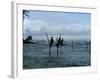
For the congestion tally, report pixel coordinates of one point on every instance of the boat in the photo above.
(29, 40)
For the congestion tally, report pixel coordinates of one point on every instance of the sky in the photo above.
(54, 23)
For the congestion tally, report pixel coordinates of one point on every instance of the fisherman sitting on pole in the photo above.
(51, 42)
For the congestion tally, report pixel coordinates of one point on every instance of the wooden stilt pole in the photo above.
(49, 45)
(57, 51)
(49, 51)
(72, 45)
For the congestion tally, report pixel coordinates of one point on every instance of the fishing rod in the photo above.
(47, 37)
(60, 35)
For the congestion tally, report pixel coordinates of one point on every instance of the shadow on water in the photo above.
(43, 62)
(50, 62)
(36, 55)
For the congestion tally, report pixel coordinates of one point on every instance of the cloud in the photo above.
(78, 27)
(39, 27)
(33, 25)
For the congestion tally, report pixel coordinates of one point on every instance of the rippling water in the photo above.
(73, 54)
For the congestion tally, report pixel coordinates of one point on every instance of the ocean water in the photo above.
(74, 53)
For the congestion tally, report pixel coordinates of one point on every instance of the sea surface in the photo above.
(74, 53)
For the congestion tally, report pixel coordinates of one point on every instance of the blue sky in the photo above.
(66, 23)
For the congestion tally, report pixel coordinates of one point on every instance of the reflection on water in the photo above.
(37, 55)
